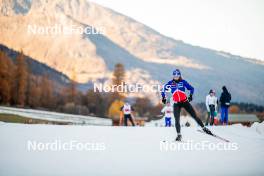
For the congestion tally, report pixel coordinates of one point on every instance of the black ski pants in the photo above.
(128, 117)
(188, 107)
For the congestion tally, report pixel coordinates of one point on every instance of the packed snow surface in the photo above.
(129, 150)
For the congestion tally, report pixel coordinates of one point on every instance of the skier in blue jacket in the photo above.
(177, 87)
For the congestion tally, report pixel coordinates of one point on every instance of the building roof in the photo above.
(243, 118)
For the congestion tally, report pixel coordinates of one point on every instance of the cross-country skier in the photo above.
(168, 110)
(127, 111)
(177, 87)
(211, 106)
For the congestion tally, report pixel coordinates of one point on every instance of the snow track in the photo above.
(128, 151)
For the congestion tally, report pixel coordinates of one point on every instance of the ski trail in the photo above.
(128, 151)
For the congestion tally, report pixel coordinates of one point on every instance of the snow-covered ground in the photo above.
(161, 122)
(55, 116)
(128, 151)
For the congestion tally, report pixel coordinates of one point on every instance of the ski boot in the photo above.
(206, 130)
(179, 137)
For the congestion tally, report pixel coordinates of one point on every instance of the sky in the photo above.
(235, 26)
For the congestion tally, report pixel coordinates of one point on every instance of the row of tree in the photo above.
(143, 106)
(235, 108)
(20, 87)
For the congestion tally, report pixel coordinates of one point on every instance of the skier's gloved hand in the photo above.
(164, 100)
(207, 131)
(190, 98)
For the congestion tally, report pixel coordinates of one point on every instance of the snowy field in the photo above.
(55, 116)
(127, 151)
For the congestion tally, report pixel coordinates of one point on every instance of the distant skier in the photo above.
(225, 99)
(168, 110)
(177, 87)
(211, 106)
(127, 111)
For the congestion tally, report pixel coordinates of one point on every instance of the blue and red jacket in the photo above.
(177, 88)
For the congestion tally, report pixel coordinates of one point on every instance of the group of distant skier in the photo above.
(212, 105)
(179, 100)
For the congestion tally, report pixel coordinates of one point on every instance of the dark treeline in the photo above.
(249, 107)
(20, 87)
(235, 108)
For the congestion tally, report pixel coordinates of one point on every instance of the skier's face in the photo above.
(176, 77)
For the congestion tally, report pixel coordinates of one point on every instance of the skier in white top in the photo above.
(211, 106)
(168, 110)
(127, 111)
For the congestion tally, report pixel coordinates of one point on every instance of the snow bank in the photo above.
(55, 116)
(131, 151)
(259, 127)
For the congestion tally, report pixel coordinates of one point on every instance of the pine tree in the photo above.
(6, 76)
(118, 79)
(119, 74)
(34, 92)
(21, 80)
(72, 91)
(47, 88)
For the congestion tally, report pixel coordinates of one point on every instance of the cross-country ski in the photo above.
(214, 135)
